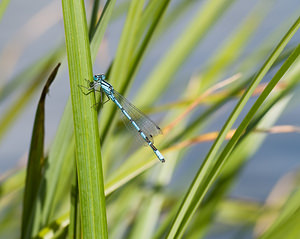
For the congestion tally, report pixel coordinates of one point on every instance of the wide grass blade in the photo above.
(87, 141)
(61, 157)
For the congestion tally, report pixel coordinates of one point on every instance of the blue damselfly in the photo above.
(133, 118)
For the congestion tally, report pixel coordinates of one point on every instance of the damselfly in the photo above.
(133, 118)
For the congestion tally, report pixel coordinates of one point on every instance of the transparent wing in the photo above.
(138, 138)
(144, 122)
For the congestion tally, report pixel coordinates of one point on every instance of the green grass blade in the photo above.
(61, 153)
(88, 155)
(36, 163)
(210, 168)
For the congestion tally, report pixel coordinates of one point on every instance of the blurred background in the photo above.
(32, 30)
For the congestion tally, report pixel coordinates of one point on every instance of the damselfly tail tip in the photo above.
(160, 157)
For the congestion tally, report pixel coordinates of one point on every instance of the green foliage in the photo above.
(91, 182)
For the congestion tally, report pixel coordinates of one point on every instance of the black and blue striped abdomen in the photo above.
(143, 132)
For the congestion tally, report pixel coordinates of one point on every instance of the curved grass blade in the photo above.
(36, 164)
(211, 167)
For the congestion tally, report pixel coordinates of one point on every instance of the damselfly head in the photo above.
(99, 77)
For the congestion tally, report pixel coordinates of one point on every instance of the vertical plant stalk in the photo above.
(87, 149)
